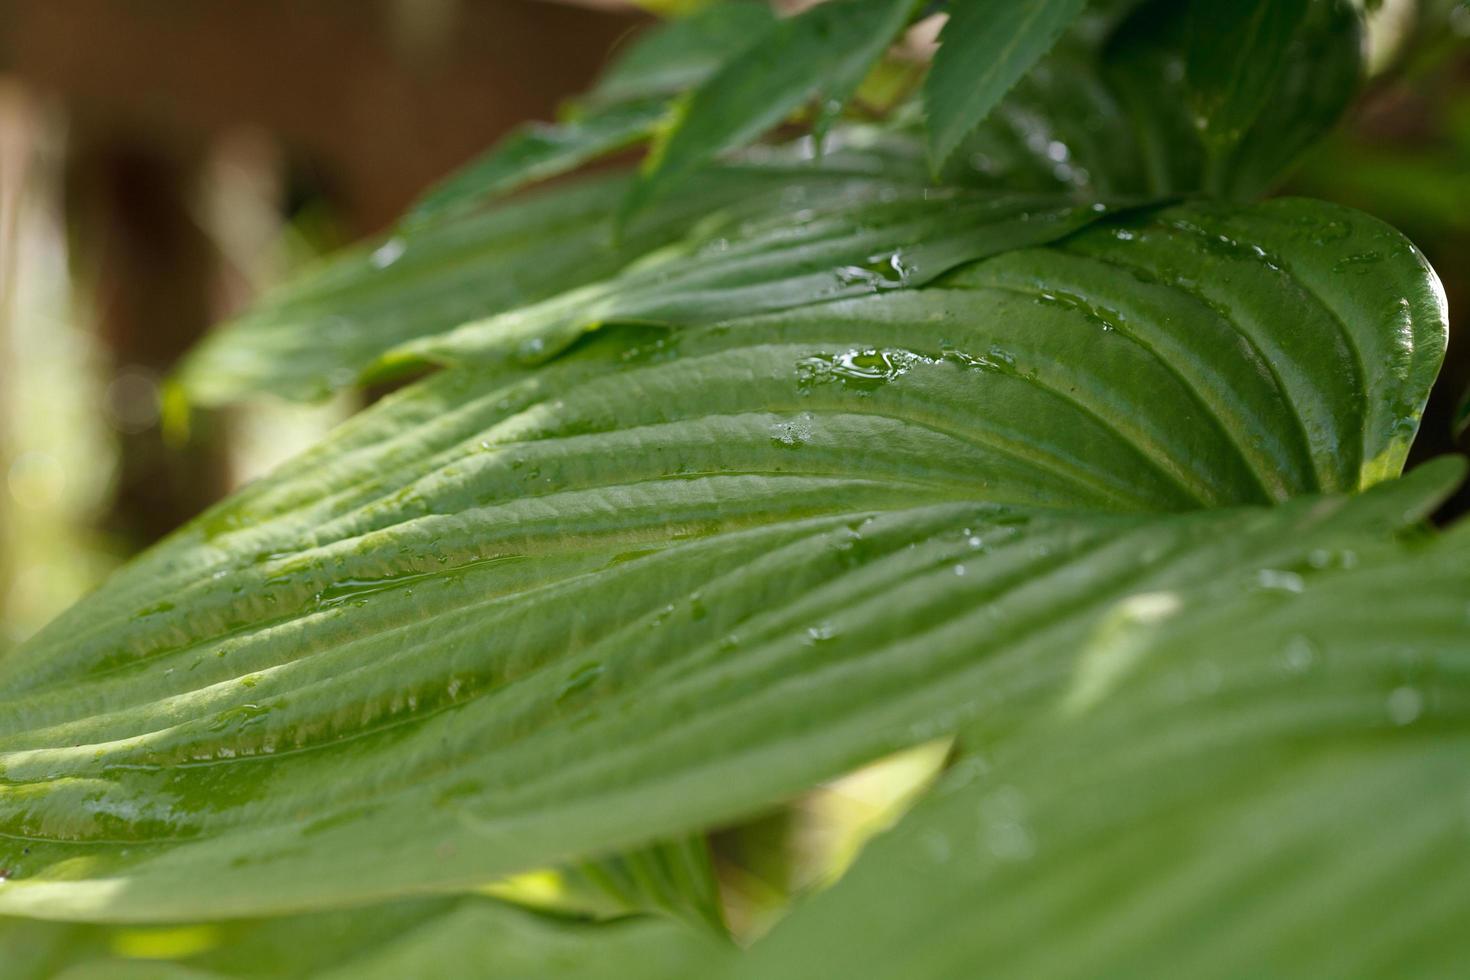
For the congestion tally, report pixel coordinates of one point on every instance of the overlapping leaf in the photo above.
(986, 46)
(511, 618)
(1108, 111)
(425, 938)
(1236, 782)
(625, 107)
(820, 54)
(753, 237)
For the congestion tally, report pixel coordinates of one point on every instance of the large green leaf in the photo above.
(767, 234)
(870, 237)
(984, 48)
(1104, 113)
(1234, 782)
(511, 618)
(820, 54)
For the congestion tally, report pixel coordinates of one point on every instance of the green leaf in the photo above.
(767, 234)
(1102, 115)
(509, 619)
(984, 48)
(868, 237)
(537, 151)
(820, 54)
(682, 52)
(429, 938)
(1257, 782)
(323, 331)
(1236, 52)
(625, 107)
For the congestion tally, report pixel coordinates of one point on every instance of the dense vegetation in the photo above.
(985, 404)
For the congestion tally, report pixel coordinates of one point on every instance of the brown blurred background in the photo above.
(162, 161)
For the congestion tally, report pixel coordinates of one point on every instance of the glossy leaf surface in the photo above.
(1106, 112)
(1234, 782)
(985, 47)
(820, 54)
(511, 618)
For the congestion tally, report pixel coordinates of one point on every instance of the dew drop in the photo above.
(1300, 655)
(1405, 705)
(388, 253)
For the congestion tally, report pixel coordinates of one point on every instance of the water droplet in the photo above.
(531, 349)
(1276, 580)
(1300, 655)
(388, 253)
(936, 845)
(1405, 705)
(1361, 263)
(820, 633)
(1003, 831)
(886, 270)
(860, 368)
(794, 432)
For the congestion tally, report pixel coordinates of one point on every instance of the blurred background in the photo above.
(163, 161)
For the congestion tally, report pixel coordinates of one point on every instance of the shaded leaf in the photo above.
(818, 55)
(682, 52)
(1236, 53)
(984, 48)
(537, 151)
(1102, 113)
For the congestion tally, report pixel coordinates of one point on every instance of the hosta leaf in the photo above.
(1235, 54)
(1102, 114)
(819, 54)
(431, 939)
(683, 52)
(984, 48)
(1266, 783)
(625, 107)
(509, 619)
(733, 244)
(867, 238)
(324, 330)
(536, 151)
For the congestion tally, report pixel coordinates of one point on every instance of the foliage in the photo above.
(768, 461)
